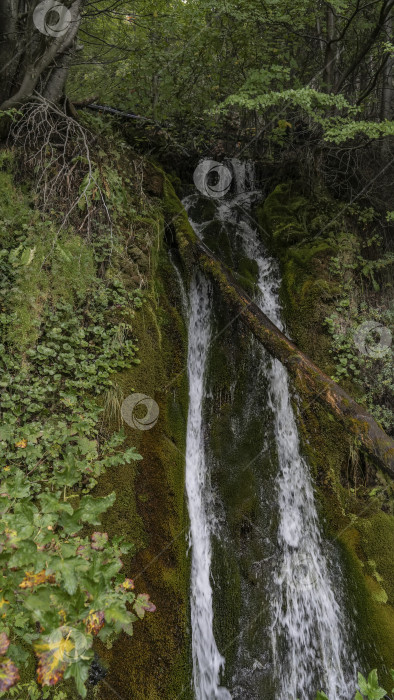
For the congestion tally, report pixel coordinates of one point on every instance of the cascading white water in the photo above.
(207, 661)
(308, 632)
(309, 645)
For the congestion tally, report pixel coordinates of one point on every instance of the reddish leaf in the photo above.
(83, 551)
(9, 675)
(99, 540)
(4, 643)
(11, 537)
(142, 605)
(94, 622)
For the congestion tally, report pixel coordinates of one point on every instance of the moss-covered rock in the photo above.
(150, 505)
(342, 474)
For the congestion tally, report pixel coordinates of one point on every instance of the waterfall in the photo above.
(308, 632)
(207, 662)
(305, 638)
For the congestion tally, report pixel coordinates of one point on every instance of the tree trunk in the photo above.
(10, 53)
(387, 6)
(39, 61)
(386, 111)
(331, 51)
(309, 378)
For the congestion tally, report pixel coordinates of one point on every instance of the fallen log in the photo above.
(357, 421)
(88, 104)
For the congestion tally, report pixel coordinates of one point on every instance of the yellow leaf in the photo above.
(94, 622)
(54, 653)
(3, 602)
(31, 579)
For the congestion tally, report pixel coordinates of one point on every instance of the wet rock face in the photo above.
(96, 672)
(153, 182)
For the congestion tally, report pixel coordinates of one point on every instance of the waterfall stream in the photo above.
(303, 645)
(307, 620)
(207, 661)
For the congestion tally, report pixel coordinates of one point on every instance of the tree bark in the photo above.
(387, 7)
(10, 52)
(37, 60)
(309, 378)
(386, 111)
(331, 51)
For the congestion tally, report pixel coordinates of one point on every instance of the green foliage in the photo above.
(314, 103)
(369, 689)
(341, 130)
(200, 66)
(64, 331)
(356, 270)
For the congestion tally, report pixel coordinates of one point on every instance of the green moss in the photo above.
(308, 297)
(375, 620)
(176, 218)
(306, 290)
(150, 507)
(377, 538)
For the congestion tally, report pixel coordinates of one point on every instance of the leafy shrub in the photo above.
(64, 331)
(362, 288)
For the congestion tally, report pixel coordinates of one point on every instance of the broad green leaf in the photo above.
(362, 683)
(80, 672)
(91, 508)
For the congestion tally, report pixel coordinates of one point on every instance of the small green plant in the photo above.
(363, 287)
(368, 689)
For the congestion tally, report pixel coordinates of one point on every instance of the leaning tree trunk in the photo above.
(34, 52)
(357, 421)
(373, 440)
